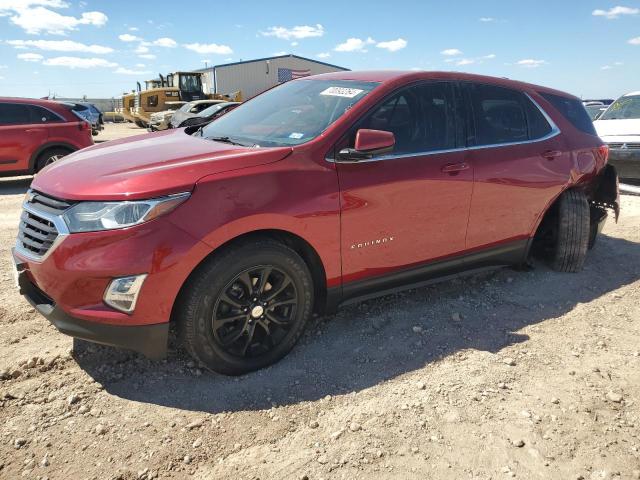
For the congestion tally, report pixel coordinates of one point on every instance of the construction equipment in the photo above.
(124, 105)
(178, 86)
(182, 87)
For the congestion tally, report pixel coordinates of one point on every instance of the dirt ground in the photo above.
(533, 375)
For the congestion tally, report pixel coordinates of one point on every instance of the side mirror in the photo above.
(369, 143)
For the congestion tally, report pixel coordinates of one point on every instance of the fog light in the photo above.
(122, 293)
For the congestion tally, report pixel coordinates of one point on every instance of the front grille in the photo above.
(37, 231)
(624, 146)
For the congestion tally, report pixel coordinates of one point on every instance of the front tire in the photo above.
(572, 232)
(246, 308)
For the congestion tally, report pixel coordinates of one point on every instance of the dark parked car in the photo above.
(209, 114)
(35, 133)
(316, 193)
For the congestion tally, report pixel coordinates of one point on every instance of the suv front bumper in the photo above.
(150, 340)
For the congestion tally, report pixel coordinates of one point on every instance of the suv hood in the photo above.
(146, 166)
(609, 128)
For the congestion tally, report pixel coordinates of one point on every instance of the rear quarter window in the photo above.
(43, 115)
(573, 110)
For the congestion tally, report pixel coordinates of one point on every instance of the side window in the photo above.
(538, 125)
(14, 114)
(42, 115)
(421, 118)
(573, 110)
(400, 115)
(439, 125)
(499, 115)
(152, 101)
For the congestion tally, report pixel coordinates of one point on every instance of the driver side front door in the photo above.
(403, 210)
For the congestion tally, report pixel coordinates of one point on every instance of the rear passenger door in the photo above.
(411, 206)
(520, 164)
(20, 136)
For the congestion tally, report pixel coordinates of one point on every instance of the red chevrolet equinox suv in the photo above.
(321, 191)
(35, 133)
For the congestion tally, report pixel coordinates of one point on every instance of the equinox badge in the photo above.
(372, 243)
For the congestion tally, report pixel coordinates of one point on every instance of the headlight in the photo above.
(94, 216)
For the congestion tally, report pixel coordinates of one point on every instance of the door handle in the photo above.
(551, 154)
(455, 167)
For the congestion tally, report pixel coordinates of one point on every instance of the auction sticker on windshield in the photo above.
(341, 92)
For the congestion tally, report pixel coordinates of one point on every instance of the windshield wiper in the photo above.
(228, 140)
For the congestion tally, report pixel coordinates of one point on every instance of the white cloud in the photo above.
(147, 56)
(354, 45)
(127, 37)
(465, 61)
(323, 55)
(141, 49)
(615, 12)
(8, 6)
(491, 56)
(294, 44)
(133, 29)
(606, 67)
(128, 71)
(487, 19)
(164, 42)
(60, 46)
(298, 32)
(530, 63)
(634, 41)
(38, 19)
(30, 57)
(206, 48)
(77, 62)
(450, 52)
(279, 54)
(393, 45)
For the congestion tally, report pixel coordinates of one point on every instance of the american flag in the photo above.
(286, 74)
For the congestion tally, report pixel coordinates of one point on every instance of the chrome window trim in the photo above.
(555, 131)
(57, 221)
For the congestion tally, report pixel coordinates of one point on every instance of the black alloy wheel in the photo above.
(254, 312)
(246, 306)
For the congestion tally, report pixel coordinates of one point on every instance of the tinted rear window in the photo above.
(573, 110)
(502, 115)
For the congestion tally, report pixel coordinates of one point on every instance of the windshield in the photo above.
(624, 108)
(190, 83)
(293, 113)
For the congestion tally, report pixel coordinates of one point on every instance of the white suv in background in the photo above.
(619, 128)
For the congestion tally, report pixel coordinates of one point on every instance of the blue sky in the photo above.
(100, 48)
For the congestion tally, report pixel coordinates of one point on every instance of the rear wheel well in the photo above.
(295, 242)
(549, 236)
(47, 149)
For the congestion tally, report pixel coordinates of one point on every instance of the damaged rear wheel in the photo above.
(571, 232)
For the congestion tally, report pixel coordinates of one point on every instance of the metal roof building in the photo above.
(252, 77)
